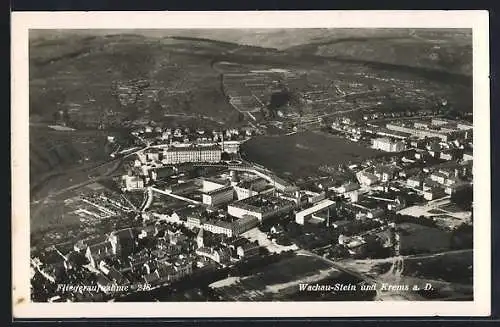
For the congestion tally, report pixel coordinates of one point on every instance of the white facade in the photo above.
(387, 145)
(219, 227)
(301, 215)
(366, 178)
(413, 182)
(175, 155)
(218, 196)
(133, 182)
(243, 193)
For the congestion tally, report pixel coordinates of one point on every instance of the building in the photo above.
(302, 216)
(414, 181)
(250, 187)
(261, 207)
(221, 255)
(219, 227)
(456, 187)
(374, 212)
(439, 177)
(348, 187)
(210, 184)
(131, 182)
(366, 178)
(385, 173)
(192, 153)
(195, 220)
(244, 224)
(385, 144)
(97, 252)
(218, 196)
(434, 193)
(248, 250)
(467, 156)
(419, 132)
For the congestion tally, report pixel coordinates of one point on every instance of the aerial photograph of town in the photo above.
(194, 165)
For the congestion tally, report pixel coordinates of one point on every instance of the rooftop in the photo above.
(261, 203)
(220, 190)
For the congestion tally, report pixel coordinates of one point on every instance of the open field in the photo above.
(301, 154)
(422, 238)
(278, 281)
(450, 273)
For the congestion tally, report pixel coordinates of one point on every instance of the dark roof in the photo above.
(152, 277)
(115, 274)
(249, 246)
(103, 280)
(220, 190)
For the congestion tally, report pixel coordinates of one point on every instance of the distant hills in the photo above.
(447, 50)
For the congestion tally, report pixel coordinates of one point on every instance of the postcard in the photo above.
(250, 164)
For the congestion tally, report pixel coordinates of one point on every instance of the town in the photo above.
(190, 207)
(195, 165)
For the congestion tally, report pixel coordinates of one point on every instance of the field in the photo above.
(455, 267)
(276, 281)
(418, 238)
(301, 154)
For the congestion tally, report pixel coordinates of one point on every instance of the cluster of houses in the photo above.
(153, 255)
(153, 134)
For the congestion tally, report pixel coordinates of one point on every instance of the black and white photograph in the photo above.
(256, 164)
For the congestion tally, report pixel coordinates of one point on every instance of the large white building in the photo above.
(219, 227)
(387, 145)
(218, 196)
(192, 153)
(301, 216)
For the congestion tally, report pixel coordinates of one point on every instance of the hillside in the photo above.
(110, 79)
(442, 50)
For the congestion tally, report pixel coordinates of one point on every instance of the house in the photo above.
(434, 193)
(100, 251)
(248, 250)
(220, 255)
(348, 187)
(439, 177)
(366, 178)
(467, 156)
(405, 173)
(456, 187)
(137, 260)
(374, 212)
(385, 173)
(219, 227)
(450, 154)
